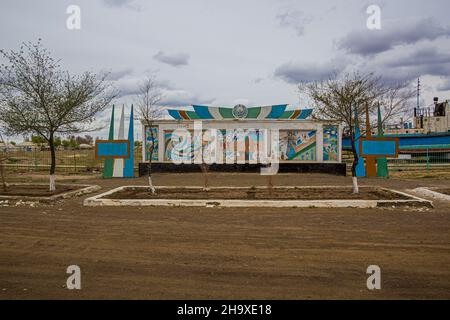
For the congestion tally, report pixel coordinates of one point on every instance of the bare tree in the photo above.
(205, 169)
(37, 97)
(337, 99)
(148, 110)
(395, 102)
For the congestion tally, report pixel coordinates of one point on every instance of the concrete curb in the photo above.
(412, 201)
(428, 191)
(86, 188)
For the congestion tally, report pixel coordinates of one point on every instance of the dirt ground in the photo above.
(229, 253)
(34, 190)
(444, 191)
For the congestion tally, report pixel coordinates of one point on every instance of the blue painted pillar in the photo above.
(360, 169)
(128, 170)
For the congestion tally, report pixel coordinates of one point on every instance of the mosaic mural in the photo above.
(295, 145)
(187, 148)
(299, 145)
(330, 143)
(151, 135)
(227, 150)
(232, 153)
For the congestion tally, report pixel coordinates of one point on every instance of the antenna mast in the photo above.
(418, 93)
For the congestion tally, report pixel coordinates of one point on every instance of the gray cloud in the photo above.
(117, 75)
(369, 42)
(171, 96)
(295, 19)
(174, 59)
(295, 72)
(427, 56)
(411, 64)
(180, 98)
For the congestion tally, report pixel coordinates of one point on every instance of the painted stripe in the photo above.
(309, 146)
(286, 115)
(192, 115)
(202, 112)
(277, 111)
(305, 113)
(183, 114)
(264, 112)
(174, 114)
(258, 113)
(215, 113)
(253, 113)
(118, 163)
(121, 134)
(128, 170)
(295, 114)
(108, 165)
(226, 113)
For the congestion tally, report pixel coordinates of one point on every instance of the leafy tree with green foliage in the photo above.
(37, 97)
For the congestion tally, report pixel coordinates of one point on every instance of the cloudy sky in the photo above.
(238, 51)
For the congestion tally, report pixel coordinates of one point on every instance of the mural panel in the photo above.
(178, 148)
(151, 139)
(225, 142)
(298, 145)
(330, 143)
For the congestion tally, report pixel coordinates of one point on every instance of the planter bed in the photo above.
(435, 192)
(308, 196)
(41, 193)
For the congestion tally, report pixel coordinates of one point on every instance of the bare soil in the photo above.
(31, 190)
(443, 190)
(226, 253)
(279, 193)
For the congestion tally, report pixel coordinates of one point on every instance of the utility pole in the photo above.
(418, 93)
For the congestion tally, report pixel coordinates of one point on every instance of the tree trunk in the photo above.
(149, 173)
(204, 168)
(149, 164)
(3, 159)
(354, 164)
(2, 174)
(270, 184)
(51, 143)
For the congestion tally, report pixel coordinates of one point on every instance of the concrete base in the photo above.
(84, 189)
(331, 168)
(429, 192)
(411, 201)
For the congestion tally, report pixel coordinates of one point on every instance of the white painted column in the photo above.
(161, 144)
(119, 163)
(340, 142)
(319, 142)
(144, 140)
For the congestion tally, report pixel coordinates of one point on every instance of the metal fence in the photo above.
(425, 160)
(71, 161)
(67, 161)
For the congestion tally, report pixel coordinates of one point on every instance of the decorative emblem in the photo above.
(239, 111)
